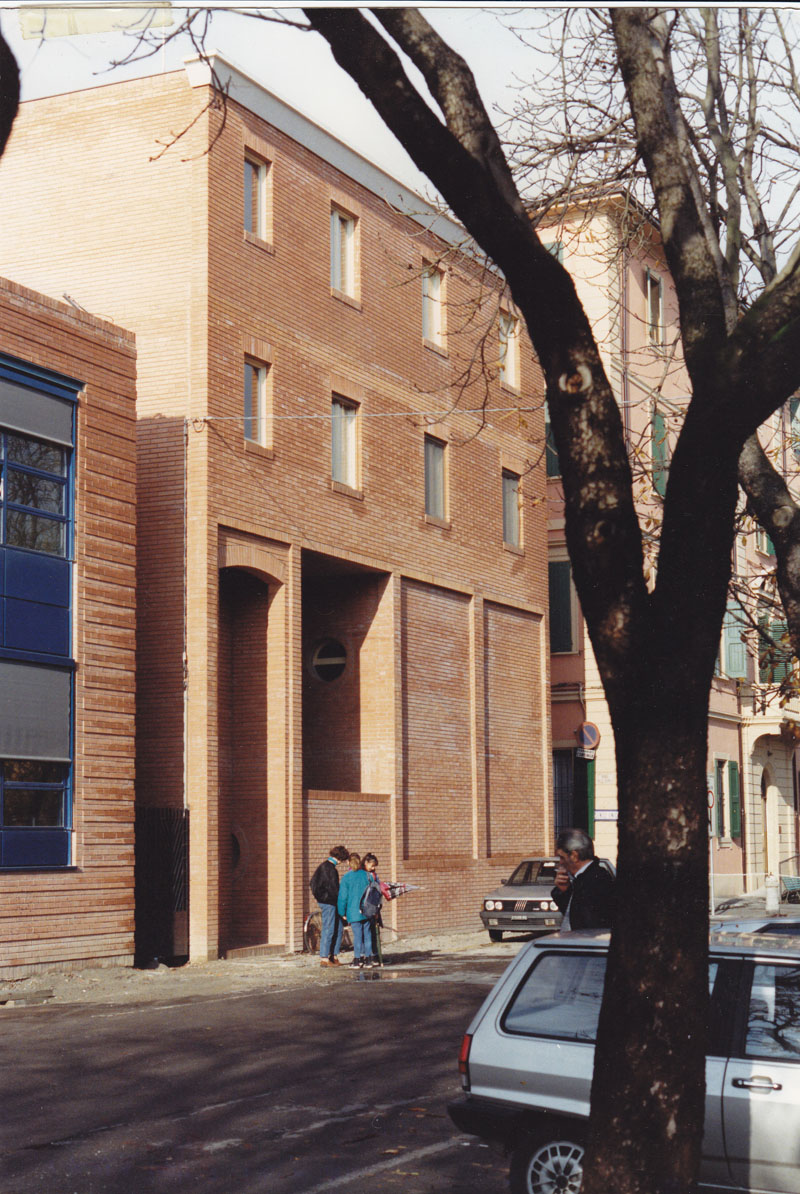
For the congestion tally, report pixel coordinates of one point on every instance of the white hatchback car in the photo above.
(527, 1058)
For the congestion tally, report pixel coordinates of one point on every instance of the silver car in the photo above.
(527, 1057)
(523, 902)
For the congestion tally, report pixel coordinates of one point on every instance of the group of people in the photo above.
(342, 901)
(584, 893)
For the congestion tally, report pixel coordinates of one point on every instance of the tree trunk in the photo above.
(649, 1076)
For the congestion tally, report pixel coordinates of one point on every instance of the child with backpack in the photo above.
(371, 902)
(351, 889)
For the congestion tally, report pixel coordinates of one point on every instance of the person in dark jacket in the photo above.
(325, 890)
(584, 890)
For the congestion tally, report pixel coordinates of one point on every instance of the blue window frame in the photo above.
(37, 438)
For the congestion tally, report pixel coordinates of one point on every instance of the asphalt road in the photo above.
(340, 1084)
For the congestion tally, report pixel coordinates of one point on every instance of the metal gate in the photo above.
(161, 883)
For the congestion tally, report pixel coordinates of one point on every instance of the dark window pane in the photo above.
(27, 490)
(33, 771)
(31, 807)
(37, 454)
(36, 533)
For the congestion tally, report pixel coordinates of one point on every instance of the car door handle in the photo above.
(755, 1083)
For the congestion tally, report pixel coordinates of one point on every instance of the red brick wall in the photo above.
(172, 261)
(85, 916)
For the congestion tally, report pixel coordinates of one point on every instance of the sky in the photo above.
(296, 66)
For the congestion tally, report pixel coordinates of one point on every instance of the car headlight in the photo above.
(544, 905)
(553, 906)
(489, 905)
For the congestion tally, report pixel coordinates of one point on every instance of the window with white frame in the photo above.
(509, 350)
(343, 252)
(257, 208)
(255, 402)
(654, 291)
(432, 314)
(344, 441)
(435, 478)
(511, 509)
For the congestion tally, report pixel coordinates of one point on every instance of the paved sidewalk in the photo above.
(121, 984)
(125, 985)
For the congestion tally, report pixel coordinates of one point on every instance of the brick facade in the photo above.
(84, 914)
(432, 747)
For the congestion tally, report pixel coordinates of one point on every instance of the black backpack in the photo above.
(371, 900)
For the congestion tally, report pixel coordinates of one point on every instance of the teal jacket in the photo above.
(351, 889)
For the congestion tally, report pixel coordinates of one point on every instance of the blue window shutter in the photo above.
(734, 796)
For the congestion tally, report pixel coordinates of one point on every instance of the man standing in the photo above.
(325, 890)
(584, 890)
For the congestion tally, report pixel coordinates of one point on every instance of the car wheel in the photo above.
(550, 1163)
(495, 934)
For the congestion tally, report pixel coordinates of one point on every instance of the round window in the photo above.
(328, 660)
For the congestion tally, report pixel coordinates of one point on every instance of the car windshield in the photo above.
(534, 870)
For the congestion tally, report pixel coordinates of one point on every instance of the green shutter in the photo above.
(660, 452)
(735, 799)
(719, 796)
(559, 577)
(734, 651)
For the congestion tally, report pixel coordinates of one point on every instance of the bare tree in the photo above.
(655, 650)
(573, 140)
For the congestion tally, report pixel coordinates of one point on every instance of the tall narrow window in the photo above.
(255, 402)
(551, 455)
(256, 197)
(562, 628)
(344, 442)
(343, 253)
(509, 350)
(655, 308)
(556, 249)
(435, 498)
(511, 519)
(432, 322)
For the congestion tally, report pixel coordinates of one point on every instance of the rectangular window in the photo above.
(551, 455)
(256, 197)
(511, 513)
(255, 402)
(34, 494)
(344, 442)
(562, 623)
(773, 1021)
(435, 494)
(509, 350)
(733, 656)
(556, 249)
(432, 321)
(343, 253)
(655, 308)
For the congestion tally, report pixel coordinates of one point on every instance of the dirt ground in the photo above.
(121, 984)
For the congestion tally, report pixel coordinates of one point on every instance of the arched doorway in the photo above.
(243, 695)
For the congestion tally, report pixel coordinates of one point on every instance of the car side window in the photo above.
(773, 1019)
(560, 997)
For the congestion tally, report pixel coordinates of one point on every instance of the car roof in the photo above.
(722, 940)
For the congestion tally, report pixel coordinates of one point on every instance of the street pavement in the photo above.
(339, 1082)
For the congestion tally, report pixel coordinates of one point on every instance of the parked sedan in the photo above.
(523, 902)
(527, 1057)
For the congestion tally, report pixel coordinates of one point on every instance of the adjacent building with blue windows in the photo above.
(67, 624)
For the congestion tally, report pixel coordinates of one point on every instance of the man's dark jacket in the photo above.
(325, 883)
(592, 898)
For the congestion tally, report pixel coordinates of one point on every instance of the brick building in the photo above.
(621, 274)
(67, 621)
(342, 584)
